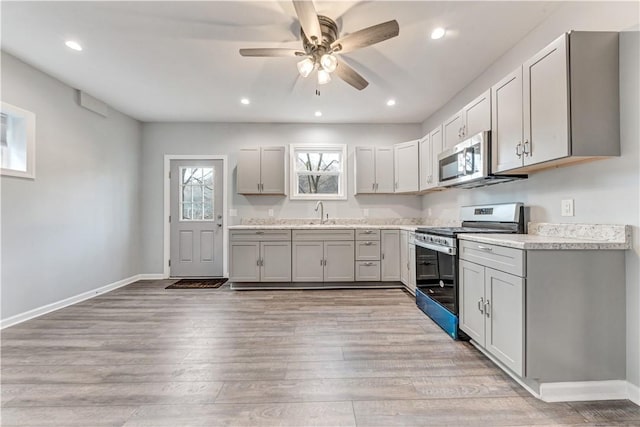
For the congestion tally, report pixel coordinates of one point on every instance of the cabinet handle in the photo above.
(525, 148)
(258, 184)
(464, 130)
(261, 187)
(321, 262)
(487, 308)
(518, 151)
(376, 186)
(481, 305)
(368, 264)
(259, 232)
(368, 243)
(485, 248)
(258, 262)
(383, 255)
(396, 185)
(373, 186)
(368, 232)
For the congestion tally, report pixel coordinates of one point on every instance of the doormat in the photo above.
(197, 284)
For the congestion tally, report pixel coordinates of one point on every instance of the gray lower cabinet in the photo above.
(390, 255)
(404, 257)
(260, 255)
(492, 312)
(317, 261)
(260, 262)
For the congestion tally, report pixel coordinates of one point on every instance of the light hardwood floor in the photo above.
(146, 356)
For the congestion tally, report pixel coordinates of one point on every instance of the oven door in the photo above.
(436, 275)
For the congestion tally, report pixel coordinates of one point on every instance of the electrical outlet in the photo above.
(566, 208)
(270, 212)
(233, 212)
(429, 212)
(365, 212)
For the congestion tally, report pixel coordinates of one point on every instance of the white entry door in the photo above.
(196, 218)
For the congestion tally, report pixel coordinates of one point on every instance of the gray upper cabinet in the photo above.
(475, 117)
(569, 109)
(407, 169)
(374, 170)
(430, 147)
(261, 170)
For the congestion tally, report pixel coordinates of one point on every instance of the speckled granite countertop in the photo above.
(325, 227)
(544, 236)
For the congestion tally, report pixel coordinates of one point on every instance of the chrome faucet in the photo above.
(321, 206)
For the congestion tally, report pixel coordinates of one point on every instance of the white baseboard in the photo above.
(633, 391)
(584, 390)
(36, 312)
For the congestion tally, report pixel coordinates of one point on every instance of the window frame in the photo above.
(342, 173)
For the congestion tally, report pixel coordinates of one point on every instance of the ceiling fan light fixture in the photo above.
(323, 77)
(305, 67)
(329, 62)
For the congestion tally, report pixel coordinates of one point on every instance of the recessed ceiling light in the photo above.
(73, 45)
(391, 102)
(245, 101)
(438, 33)
(318, 113)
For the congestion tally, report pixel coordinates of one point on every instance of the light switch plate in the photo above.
(270, 212)
(365, 212)
(566, 208)
(233, 212)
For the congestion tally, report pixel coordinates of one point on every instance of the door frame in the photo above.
(167, 207)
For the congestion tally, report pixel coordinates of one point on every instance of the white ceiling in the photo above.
(179, 61)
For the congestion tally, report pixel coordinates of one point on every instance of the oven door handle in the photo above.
(442, 249)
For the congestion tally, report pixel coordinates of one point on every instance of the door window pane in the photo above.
(196, 194)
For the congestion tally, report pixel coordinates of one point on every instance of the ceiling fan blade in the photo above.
(308, 19)
(366, 37)
(271, 52)
(350, 76)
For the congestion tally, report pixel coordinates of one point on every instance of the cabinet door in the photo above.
(546, 104)
(404, 257)
(244, 262)
(426, 163)
(339, 261)
(407, 174)
(365, 170)
(412, 268)
(471, 288)
(452, 130)
(507, 127)
(307, 261)
(477, 115)
(367, 250)
(367, 271)
(436, 148)
(390, 255)
(275, 262)
(384, 170)
(504, 295)
(272, 170)
(248, 172)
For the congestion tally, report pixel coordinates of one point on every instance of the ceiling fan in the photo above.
(320, 44)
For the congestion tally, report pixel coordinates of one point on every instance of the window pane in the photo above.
(197, 193)
(318, 161)
(207, 176)
(186, 193)
(207, 207)
(318, 184)
(196, 211)
(186, 211)
(187, 175)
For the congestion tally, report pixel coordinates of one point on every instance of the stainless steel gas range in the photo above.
(437, 259)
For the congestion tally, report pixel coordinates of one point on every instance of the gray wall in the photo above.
(75, 227)
(212, 138)
(605, 191)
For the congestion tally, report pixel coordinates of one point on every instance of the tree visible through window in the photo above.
(318, 172)
(196, 194)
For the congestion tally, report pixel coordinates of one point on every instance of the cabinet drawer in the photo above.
(368, 234)
(323, 235)
(367, 250)
(259, 235)
(367, 271)
(501, 258)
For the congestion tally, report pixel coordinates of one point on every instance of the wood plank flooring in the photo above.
(145, 356)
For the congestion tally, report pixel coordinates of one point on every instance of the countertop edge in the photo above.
(537, 242)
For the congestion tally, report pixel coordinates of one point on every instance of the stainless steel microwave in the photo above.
(468, 164)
